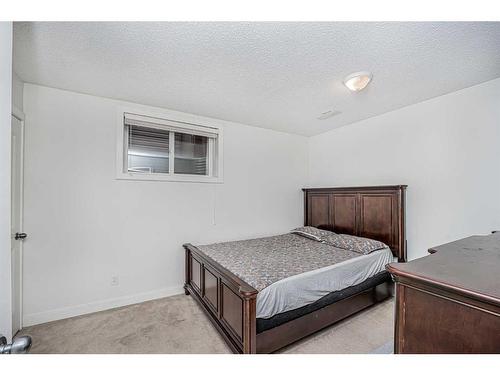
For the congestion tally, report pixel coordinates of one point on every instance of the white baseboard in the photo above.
(71, 311)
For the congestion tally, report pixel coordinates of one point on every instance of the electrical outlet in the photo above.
(115, 280)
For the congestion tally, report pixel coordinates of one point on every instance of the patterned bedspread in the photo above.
(263, 261)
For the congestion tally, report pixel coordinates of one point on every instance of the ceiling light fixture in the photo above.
(357, 81)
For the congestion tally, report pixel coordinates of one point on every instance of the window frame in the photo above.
(183, 122)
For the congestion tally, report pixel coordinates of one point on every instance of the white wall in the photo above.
(5, 126)
(17, 91)
(85, 226)
(446, 149)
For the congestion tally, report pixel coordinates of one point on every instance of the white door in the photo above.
(17, 221)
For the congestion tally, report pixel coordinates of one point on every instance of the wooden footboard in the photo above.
(228, 301)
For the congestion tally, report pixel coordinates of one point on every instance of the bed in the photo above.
(263, 294)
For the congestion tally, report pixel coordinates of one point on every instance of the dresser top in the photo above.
(470, 266)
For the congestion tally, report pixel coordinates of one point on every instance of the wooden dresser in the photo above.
(449, 301)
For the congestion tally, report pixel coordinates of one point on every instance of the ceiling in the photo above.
(280, 76)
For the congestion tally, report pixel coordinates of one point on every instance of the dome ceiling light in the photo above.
(357, 81)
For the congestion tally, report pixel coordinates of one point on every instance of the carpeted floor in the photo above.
(177, 325)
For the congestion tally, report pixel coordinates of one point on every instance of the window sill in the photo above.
(169, 178)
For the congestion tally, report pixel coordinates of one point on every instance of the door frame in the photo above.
(19, 115)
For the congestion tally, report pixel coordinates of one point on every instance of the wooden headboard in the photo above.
(376, 212)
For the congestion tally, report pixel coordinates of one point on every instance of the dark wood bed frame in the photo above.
(376, 212)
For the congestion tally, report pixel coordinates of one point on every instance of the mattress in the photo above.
(284, 317)
(291, 271)
(305, 288)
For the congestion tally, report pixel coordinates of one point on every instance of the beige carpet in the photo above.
(177, 325)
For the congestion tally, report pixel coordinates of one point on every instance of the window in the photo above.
(191, 154)
(148, 149)
(160, 149)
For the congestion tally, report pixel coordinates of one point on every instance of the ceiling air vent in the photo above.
(328, 114)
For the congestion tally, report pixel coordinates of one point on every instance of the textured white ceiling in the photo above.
(275, 75)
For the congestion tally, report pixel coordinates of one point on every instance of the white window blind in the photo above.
(175, 126)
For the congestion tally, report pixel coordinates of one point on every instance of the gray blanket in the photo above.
(263, 261)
